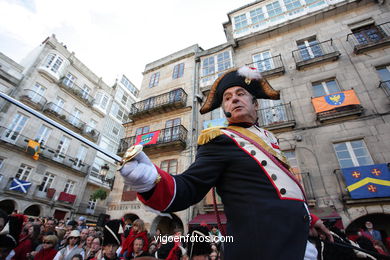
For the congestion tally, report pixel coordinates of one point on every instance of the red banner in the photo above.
(67, 197)
(148, 138)
(332, 101)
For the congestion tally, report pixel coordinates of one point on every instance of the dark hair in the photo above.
(140, 238)
(4, 215)
(198, 248)
(80, 257)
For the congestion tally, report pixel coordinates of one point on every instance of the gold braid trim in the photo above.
(209, 134)
(260, 141)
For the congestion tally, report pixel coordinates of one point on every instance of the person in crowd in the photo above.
(213, 255)
(3, 219)
(138, 230)
(48, 251)
(83, 237)
(128, 223)
(61, 224)
(370, 231)
(71, 247)
(198, 250)
(49, 227)
(137, 249)
(96, 246)
(260, 194)
(9, 236)
(111, 242)
(77, 257)
(25, 245)
(88, 245)
(82, 223)
(152, 248)
(92, 231)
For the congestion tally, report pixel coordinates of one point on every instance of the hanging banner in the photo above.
(332, 101)
(148, 138)
(215, 122)
(368, 181)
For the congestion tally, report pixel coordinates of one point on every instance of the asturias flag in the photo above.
(19, 185)
(149, 138)
(332, 101)
(368, 181)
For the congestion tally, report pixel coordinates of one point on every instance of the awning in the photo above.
(209, 219)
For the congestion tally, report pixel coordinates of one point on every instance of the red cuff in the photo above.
(163, 194)
(314, 219)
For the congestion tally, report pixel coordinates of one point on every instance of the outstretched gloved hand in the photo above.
(140, 173)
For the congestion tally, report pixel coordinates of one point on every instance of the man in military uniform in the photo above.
(264, 203)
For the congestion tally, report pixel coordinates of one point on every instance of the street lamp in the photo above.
(103, 171)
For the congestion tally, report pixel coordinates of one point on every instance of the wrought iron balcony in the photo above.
(272, 66)
(100, 180)
(159, 104)
(77, 91)
(85, 208)
(19, 141)
(385, 85)
(370, 38)
(315, 53)
(169, 138)
(277, 117)
(44, 196)
(33, 99)
(67, 198)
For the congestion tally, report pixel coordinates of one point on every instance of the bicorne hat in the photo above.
(112, 232)
(245, 77)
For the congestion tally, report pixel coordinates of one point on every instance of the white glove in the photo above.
(140, 173)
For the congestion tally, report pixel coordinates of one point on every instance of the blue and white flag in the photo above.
(19, 185)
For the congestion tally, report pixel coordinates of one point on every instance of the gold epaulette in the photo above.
(209, 134)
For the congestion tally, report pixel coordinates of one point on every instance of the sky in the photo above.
(114, 37)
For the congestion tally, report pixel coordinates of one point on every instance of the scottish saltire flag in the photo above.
(149, 138)
(19, 185)
(368, 181)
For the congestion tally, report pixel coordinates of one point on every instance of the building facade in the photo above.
(46, 172)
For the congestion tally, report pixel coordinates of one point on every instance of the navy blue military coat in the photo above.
(265, 209)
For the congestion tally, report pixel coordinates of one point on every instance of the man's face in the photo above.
(239, 102)
(368, 224)
(91, 231)
(84, 234)
(50, 225)
(110, 251)
(138, 244)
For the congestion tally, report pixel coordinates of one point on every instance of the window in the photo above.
(352, 154)
(129, 86)
(384, 74)
(263, 61)
(128, 194)
(169, 166)
(368, 34)
(39, 91)
(97, 165)
(154, 80)
(309, 48)
(274, 11)
(69, 186)
(115, 131)
(46, 182)
(78, 162)
(272, 111)
(91, 204)
(15, 128)
(62, 148)
(69, 80)
(118, 112)
(53, 62)
(257, 17)
(208, 66)
(58, 105)
(23, 172)
(121, 96)
(74, 118)
(223, 61)
(85, 90)
(101, 101)
(91, 126)
(293, 6)
(325, 88)
(240, 23)
(219, 63)
(43, 134)
(172, 129)
(108, 145)
(142, 130)
(178, 71)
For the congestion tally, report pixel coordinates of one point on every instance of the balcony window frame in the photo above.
(69, 186)
(62, 148)
(264, 59)
(69, 80)
(39, 92)
(178, 71)
(53, 62)
(352, 153)
(142, 130)
(18, 123)
(154, 79)
(324, 87)
(24, 172)
(43, 134)
(211, 64)
(167, 167)
(47, 182)
(309, 48)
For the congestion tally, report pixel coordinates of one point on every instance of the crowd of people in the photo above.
(26, 238)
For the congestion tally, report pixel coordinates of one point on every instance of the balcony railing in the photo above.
(308, 186)
(315, 53)
(276, 117)
(269, 67)
(20, 141)
(84, 208)
(33, 99)
(172, 135)
(372, 37)
(96, 178)
(385, 85)
(158, 104)
(67, 198)
(77, 91)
